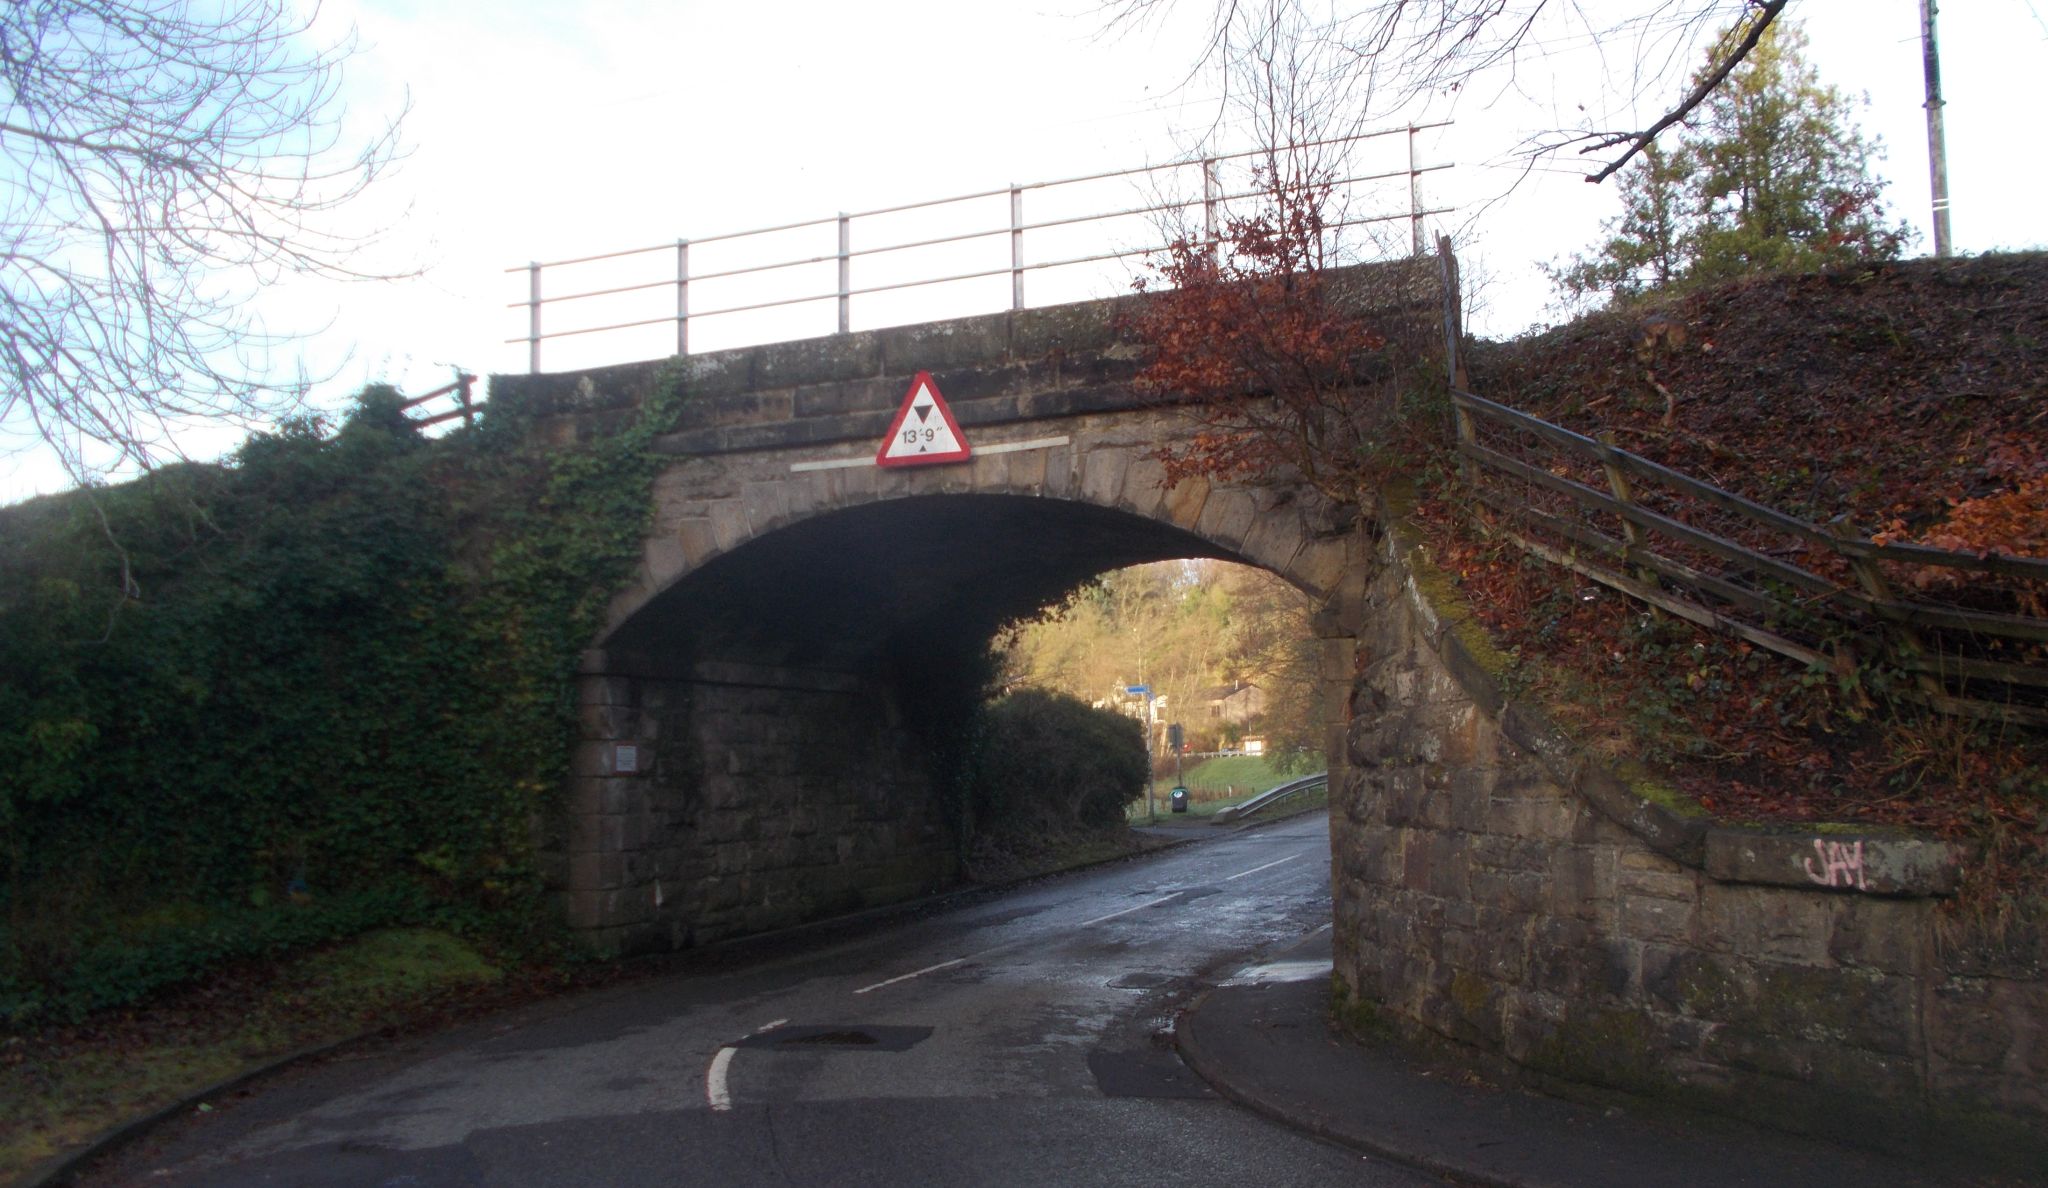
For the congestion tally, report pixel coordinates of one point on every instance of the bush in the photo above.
(1050, 760)
(336, 672)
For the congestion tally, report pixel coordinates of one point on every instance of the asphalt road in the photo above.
(1023, 1039)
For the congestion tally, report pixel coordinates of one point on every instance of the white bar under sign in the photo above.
(1008, 447)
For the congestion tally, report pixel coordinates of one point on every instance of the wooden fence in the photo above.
(465, 406)
(1823, 595)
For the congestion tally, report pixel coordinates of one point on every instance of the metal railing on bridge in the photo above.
(1214, 199)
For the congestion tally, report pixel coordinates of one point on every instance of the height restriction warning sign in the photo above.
(924, 430)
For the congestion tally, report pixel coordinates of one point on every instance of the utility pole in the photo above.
(1937, 150)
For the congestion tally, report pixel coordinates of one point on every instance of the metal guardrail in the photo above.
(1273, 796)
(1213, 201)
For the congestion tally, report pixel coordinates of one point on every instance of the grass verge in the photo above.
(1250, 774)
(63, 1087)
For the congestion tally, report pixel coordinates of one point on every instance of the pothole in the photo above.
(838, 1037)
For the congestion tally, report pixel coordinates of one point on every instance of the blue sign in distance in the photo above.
(1137, 688)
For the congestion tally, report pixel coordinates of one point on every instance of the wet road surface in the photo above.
(1022, 1039)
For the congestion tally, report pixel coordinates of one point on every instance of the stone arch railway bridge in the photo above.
(761, 716)
(762, 723)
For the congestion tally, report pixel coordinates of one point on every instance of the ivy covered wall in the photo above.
(321, 688)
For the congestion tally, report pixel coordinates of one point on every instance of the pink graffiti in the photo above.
(1841, 864)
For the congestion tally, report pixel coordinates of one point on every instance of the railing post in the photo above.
(1906, 644)
(1212, 193)
(533, 317)
(1016, 247)
(1617, 482)
(845, 272)
(1414, 195)
(682, 296)
(462, 382)
(1468, 439)
(1454, 312)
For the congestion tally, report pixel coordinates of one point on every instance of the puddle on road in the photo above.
(1282, 971)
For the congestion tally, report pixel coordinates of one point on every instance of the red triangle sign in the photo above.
(924, 431)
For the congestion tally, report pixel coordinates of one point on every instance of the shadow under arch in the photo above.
(844, 590)
(764, 739)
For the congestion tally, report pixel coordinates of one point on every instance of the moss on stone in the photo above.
(1657, 792)
(1470, 992)
(1357, 1014)
(1602, 1047)
(1444, 599)
(1707, 990)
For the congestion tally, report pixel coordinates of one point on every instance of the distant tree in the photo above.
(1184, 628)
(1772, 175)
(162, 162)
(1646, 247)
(1784, 176)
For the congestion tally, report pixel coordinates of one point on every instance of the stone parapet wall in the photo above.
(1495, 886)
(994, 369)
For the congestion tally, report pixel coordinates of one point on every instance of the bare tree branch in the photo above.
(1765, 13)
(1393, 57)
(164, 162)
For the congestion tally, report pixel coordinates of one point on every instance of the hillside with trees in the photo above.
(1187, 630)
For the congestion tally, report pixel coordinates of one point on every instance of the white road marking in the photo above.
(716, 1090)
(1256, 869)
(918, 973)
(1127, 911)
(915, 973)
(714, 1080)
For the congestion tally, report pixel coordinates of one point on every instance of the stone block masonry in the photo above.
(794, 603)
(741, 801)
(1497, 886)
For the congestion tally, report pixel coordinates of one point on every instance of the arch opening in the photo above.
(842, 590)
(770, 738)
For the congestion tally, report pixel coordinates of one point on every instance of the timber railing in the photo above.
(465, 404)
(1823, 595)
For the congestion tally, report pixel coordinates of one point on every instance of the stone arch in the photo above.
(706, 508)
(750, 754)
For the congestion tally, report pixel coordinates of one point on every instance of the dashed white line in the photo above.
(918, 973)
(915, 973)
(1256, 869)
(1127, 911)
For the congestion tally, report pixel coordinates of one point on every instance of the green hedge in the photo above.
(336, 671)
(1052, 760)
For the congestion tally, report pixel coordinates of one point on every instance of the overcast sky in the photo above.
(547, 130)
